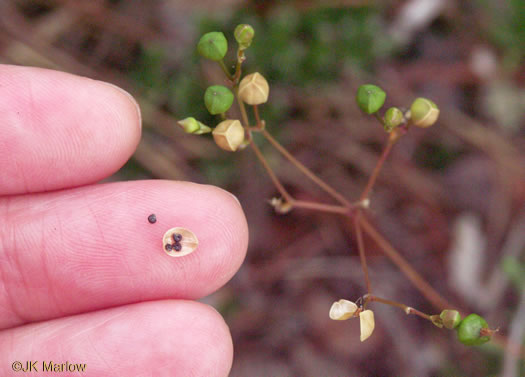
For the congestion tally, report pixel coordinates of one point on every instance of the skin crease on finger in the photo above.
(90, 248)
(162, 338)
(56, 125)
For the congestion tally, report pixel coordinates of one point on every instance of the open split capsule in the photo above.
(178, 242)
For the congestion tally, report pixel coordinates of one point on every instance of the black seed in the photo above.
(177, 246)
(152, 218)
(177, 237)
(168, 247)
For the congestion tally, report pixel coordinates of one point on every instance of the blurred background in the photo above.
(450, 198)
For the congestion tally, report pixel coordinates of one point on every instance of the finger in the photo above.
(60, 130)
(92, 247)
(162, 338)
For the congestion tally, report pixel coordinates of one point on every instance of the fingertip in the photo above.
(133, 112)
(62, 130)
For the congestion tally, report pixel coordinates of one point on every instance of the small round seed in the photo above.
(152, 218)
(187, 242)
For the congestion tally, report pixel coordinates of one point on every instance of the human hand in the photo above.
(83, 277)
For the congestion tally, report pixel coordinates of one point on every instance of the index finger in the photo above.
(59, 130)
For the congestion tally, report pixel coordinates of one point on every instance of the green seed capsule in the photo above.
(191, 125)
(393, 118)
(244, 35)
(423, 112)
(450, 318)
(213, 45)
(370, 98)
(469, 330)
(218, 99)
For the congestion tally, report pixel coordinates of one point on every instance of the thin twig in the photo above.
(311, 175)
(270, 172)
(405, 308)
(320, 207)
(361, 248)
(225, 70)
(377, 168)
(257, 117)
(417, 280)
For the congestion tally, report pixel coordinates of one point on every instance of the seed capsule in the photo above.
(393, 118)
(213, 45)
(370, 98)
(470, 330)
(188, 242)
(191, 125)
(367, 324)
(423, 112)
(342, 309)
(254, 89)
(229, 135)
(244, 35)
(218, 99)
(451, 318)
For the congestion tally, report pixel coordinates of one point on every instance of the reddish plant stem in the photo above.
(361, 248)
(415, 278)
(319, 207)
(372, 180)
(225, 70)
(258, 121)
(311, 175)
(270, 172)
(405, 308)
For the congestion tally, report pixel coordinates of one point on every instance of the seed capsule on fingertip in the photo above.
(178, 242)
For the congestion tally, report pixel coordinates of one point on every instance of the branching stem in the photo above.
(311, 175)
(361, 248)
(372, 180)
(415, 278)
(405, 308)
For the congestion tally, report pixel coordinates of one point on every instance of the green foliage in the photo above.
(515, 271)
(504, 24)
(148, 73)
(313, 46)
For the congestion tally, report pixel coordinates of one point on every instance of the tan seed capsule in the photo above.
(187, 242)
(229, 135)
(254, 89)
(367, 324)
